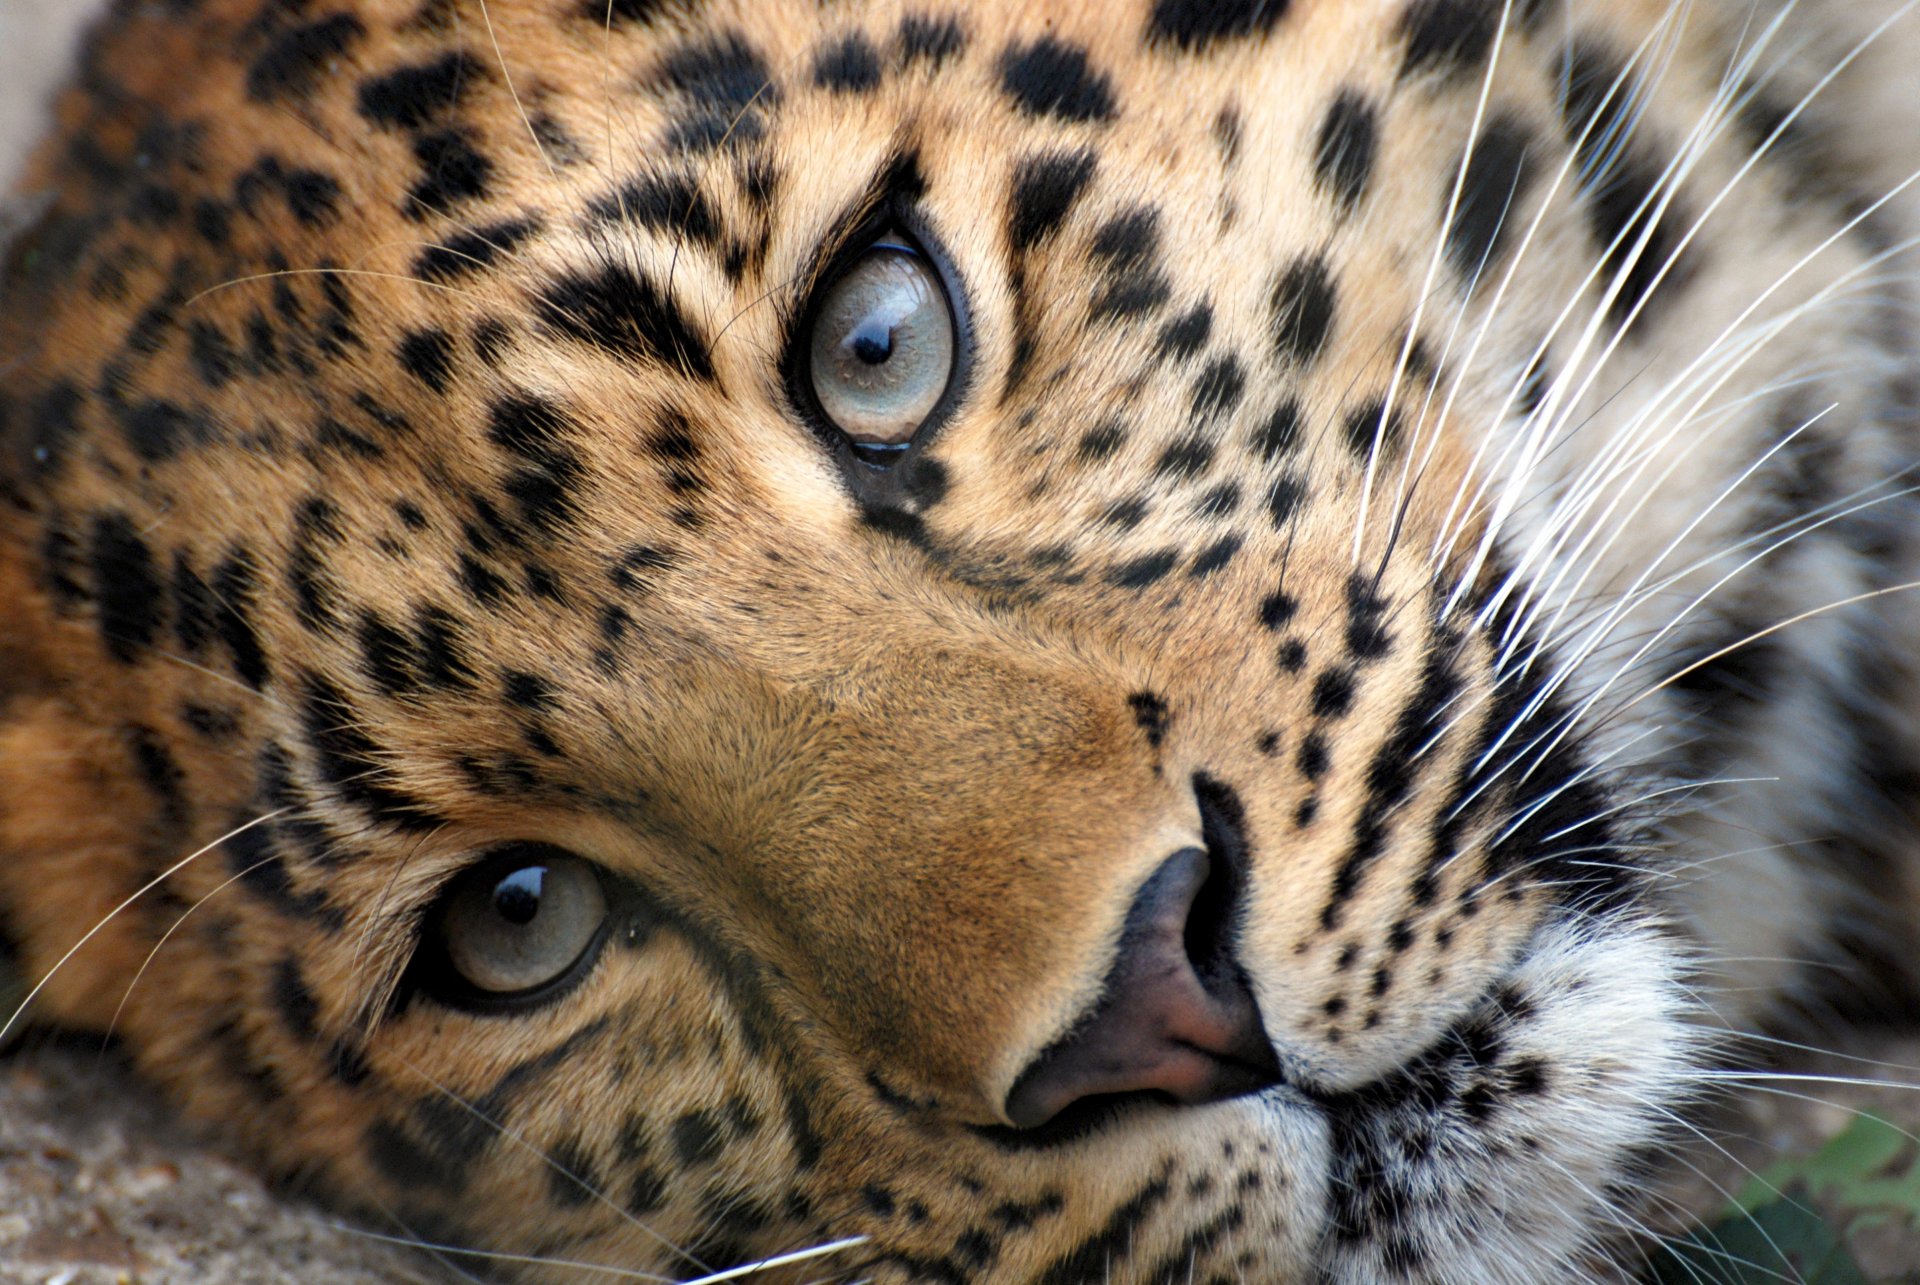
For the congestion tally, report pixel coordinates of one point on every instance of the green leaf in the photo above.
(1782, 1241)
(1849, 1170)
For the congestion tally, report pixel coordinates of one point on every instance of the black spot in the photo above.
(1599, 106)
(157, 429)
(1292, 656)
(442, 659)
(647, 1192)
(1100, 443)
(1313, 757)
(1303, 306)
(1284, 497)
(1727, 669)
(491, 340)
(1145, 570)
(1131, 295)
(1186, 334)
(1367, 634)
(313, 197)
(427, 355)
(291, 64)
(1128, 239)
(671, 203)
(333, 435)
(1196, 24)
(192, 605)
(530, 427)
(1333, 693)
(160, 772)
(622, 313)
(925, 482)
(636, 564)
(451, 171)
(349, 759)
(1370, 423)
(1052, 78)
(61, 558)
(1391, 776)
(1535, 383)
(1279, 433)
(697, 1138)
(386, 656)
(296, 1004)
(212, 723)
(931, 40)
(234, 584)
(1448, 36)
(673, 440)
(212, 354)
(1215, 556)
(1188, 457)
(726, 87)
(417, 95)
(1218, 501)
(623, 11)
(1498, 175)
(316, 523)
(572, 1179)
(473, 250)
(1219, 387)
(850, 66)
(1343, 159)
(1278, 608)
(1045, 188)
(126, 586)
(1096, 1257)
(1150, 716)
(528, 691)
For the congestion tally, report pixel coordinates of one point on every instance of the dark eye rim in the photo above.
(897, 225)
(432, 974)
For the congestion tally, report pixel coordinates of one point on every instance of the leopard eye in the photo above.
(882, 347)
(521, 920)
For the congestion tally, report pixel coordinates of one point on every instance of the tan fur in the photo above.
(887, 775)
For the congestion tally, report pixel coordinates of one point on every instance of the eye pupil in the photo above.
(516, 898)
(872, 343)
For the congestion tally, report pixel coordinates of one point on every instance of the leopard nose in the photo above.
(1176, 1017)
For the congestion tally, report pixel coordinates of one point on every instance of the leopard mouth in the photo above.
(1502, 1151)
(1474, 1067)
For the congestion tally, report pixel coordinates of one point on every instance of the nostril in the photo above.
(1175, 1017)
(1210, 920)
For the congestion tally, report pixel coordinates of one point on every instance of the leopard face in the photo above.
(1009, 641)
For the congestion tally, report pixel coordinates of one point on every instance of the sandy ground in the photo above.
(99, 1187)
(36, 39)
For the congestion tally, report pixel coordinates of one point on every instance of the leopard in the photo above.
(1031, 641)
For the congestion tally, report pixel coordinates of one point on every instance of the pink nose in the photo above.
(1175, 1018)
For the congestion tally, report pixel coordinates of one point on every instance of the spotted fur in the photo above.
(1449, 460)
